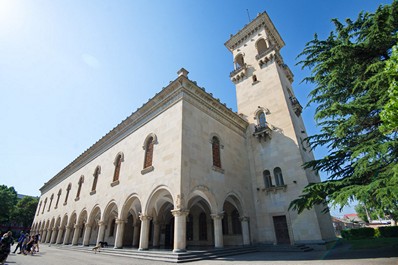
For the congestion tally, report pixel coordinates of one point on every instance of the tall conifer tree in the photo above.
(348, 70)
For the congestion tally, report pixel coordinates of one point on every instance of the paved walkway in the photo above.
(53, 255)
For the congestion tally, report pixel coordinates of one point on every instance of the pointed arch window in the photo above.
(215, 145)
(267, 179)
(67, 193)
(118, 163)
(148, 153)
(262, 121)
(278, 177)
(38, 210)
(58, 196)
(51, 200)
(79, 188)
(95, 180)
(44, 207)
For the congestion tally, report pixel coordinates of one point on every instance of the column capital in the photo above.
(244, 219)
(77, 226)
(217, 216)
(119, 221)
(179, 212)
(145, 217)
(87, 225)
(101, 223)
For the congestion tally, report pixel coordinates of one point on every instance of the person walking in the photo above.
(21, 239)
(5, 246)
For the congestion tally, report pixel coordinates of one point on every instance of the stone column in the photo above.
(86, 237)
(101, 231)
(156, 234)
(136, 234)
(144, 237)
(53, 236)
(180, 230)
(59, 236)
(48, 236)
(245, 230)
(76, 233)
(119, 233)
(218, 236)
(67, 235)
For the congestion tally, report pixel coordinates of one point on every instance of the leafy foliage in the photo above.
(351, 84)
(24, 211)
(8, 199)
(358, 233)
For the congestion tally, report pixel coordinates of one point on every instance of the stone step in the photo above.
(284, 248)
(166, 255)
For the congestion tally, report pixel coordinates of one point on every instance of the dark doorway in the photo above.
(169, 234)
(281, 230)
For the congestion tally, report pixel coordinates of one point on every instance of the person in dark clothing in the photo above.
(5, 246)
(20, 242)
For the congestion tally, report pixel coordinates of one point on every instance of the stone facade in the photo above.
(185, 171)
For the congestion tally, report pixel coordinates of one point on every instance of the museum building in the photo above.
(185, 171)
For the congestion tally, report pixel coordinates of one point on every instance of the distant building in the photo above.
(185, 171)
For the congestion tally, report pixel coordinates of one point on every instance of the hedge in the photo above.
(359, 233)
(388, 231)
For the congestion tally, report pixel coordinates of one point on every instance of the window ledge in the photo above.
(147, 170)
(218, 169)
(274, 189)
(93, 192)
(115, 183)
(255, 82)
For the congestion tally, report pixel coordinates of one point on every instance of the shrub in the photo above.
(359, 233)
(388, 231)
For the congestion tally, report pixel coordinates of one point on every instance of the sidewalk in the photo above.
(341, 256)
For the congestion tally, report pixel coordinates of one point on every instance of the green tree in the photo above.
(351, 84)
(8, 199)
(24, 211)
(389, 114)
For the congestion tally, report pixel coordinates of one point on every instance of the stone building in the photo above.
(185, 171)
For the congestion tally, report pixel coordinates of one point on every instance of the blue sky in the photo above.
(70, 71)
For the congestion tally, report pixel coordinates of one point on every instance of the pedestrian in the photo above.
(37, 240)
(20, 242)
(5, 246)
(25, 243)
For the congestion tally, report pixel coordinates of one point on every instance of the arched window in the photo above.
(58, 195)
(254, 78)
(118, 164)
(267, 179)
(95, 180)
(51, 200)
(278, 177)
(148, 152)
(215, 145)
(202, 226)
(261, 46)
(239, 61)
(79, 187)
(262, 121)
(67, 193)
(44, 207)
(236, 225)
(38, 210)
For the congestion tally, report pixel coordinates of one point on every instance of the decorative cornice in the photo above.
(261, 21)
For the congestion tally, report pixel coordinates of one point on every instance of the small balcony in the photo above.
(262, 132)
(297, 108)
(238, 73)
